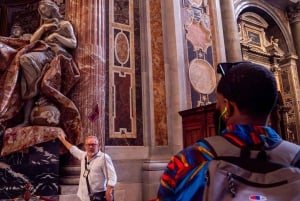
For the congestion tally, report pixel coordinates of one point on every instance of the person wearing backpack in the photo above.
(246, 95)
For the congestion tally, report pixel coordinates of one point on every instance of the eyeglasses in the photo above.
(223, 68)
(92, 145)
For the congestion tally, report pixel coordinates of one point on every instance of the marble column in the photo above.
(88, 20)
(89, 23)
(294, 18)
(230, 30)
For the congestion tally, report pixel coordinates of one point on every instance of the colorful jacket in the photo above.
(184, 176)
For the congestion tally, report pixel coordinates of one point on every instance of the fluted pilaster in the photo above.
(88, 20)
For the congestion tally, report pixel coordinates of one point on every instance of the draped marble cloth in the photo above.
(58, 80)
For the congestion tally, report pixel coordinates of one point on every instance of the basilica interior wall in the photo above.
(142, 62)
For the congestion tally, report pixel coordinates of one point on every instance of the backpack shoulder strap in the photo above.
(222, 147)
(285, 152)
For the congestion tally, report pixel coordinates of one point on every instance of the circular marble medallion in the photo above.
(202, 76)
(122, 48)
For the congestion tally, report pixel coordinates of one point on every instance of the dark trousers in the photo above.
(99, 196)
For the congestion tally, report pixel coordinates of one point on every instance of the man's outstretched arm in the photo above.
(62, 138)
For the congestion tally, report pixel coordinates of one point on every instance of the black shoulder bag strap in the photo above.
(86, 173)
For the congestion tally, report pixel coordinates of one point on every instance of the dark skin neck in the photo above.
(238, 117)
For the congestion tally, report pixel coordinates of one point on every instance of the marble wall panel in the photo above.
(124, 102)
(123, 116)
(159, 93)
(122, 11)
(197, 24)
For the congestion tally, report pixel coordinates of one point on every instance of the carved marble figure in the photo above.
(36, 77)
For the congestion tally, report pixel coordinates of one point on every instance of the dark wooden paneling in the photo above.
(198, 123)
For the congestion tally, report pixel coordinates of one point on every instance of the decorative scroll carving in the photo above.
(253, 37)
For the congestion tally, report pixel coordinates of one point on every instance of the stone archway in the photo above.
(264, 42)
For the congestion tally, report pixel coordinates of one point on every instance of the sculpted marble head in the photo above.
(17, 30)
(49, 3)
(48, 9)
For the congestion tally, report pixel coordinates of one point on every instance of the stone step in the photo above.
(70, 197)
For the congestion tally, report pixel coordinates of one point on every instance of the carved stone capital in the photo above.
(293, 13)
